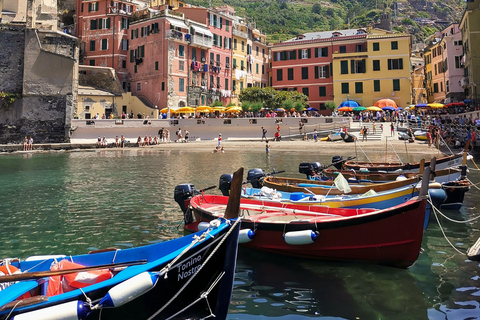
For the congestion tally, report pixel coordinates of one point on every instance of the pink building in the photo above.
(212, 82)
(159, 57)
(444, 82)
(103, 28)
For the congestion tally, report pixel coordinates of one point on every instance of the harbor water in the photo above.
(74, 202)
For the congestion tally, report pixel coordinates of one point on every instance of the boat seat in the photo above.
(14, 291)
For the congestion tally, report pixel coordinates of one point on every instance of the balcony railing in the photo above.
(239, 33)
(174, 34)
(201, 41)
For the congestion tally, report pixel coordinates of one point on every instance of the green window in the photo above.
(181, 85)
(92, 62)
(344, 67)
(104, 44)
(376, 46)
(322, 91)
(358, 87)
(396, 84)
(376, 85)
(181, 51)
(345, 87)
(135, 68)
(394, 45)
(376, 65)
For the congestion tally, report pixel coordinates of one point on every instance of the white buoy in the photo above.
(302, 237)
(73, 310)
(203, 225)
(245, 235)
(473, 253)
(128, 290)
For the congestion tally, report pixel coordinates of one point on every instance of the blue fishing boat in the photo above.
(185, 278)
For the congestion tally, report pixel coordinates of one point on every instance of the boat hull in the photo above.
(389, 237)
(441, 163)
(189, 277)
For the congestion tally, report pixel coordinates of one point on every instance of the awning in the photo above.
(203, 31)
(177, 23)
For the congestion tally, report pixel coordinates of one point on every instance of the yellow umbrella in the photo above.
(374, 108)
(164, 110)
(185, 110)
(435, 105)
(220, 109)
(204, 109)
(234, 109)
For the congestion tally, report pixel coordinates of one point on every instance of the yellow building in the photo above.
(239, 57)
(470, 26)
(428, 75)
(259, 59)
(372, 65)
(171, 3)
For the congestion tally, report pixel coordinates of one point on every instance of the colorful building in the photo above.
(102, 25)
(470, 26)
(354, 64)
(445, 53)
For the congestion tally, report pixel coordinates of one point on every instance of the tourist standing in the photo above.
(315, 135)
(267, 147)
(264, 133)
(186, 136)
(219, 139)
(392, 129)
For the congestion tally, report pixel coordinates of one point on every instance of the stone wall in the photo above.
(11, 58)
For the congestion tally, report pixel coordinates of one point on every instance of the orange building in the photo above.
(102, 25)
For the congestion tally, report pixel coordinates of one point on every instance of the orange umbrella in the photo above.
(344, 109)
(385, 103)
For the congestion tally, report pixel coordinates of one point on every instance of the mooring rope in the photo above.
(435, 211)
(197, 272)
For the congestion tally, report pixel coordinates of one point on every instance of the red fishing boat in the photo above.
(391, 236)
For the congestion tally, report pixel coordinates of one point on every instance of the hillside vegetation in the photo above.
(285, 19)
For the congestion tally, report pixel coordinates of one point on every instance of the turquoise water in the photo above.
(70, 203)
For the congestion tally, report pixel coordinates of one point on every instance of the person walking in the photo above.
(392, 129)
(365, 133)
(264, 133)
(219, 139)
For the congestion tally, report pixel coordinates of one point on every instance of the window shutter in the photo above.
(299, 53)
(294, 55)
(325, 52)
(141, 32)
(400, 63)
(221, 22)
(89, 7)
(364, 66)
(108, 23)
(100, 23)
(352, 66)
(309, 51)
(331, 69)
(316, 52)
(327, 72)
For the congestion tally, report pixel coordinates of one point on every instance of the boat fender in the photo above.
(245, 235)
(437, 196)
(401, 178)
(473, 253)
(128, 290)
(434, 185)
(203, 225)
(302, 237)
(73, 310)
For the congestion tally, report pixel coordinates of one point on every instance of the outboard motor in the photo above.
(337, 162)
(254, 176)
(225, 183)
(310, 169)
(182, 195)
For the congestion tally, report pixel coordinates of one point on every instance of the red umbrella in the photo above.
(344, 109)
(385, 103)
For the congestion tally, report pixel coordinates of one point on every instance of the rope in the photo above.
(198, 271)
(473, 184)
(441, 228)
(395, 151)
(13, 308)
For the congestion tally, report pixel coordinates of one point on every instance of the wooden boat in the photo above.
(420, 135)
(328, 187)
(335, 136)
(347, 137)
(454, 160)
(391, 236)
(185, 278)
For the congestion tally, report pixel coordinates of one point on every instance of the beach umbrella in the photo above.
(185, 110)
(204, 109)
(388, 108)
(373, 108)
(349, 103)
(312, 109)
(164, 110)
(234, 109)
(345, 109)
(436, 105)
(280, 110)
(219, 109)
(360, 108)
(385, 103)
(455, 104)
(421, 105)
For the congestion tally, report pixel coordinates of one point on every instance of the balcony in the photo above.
(239, 33)
(175, 35)
(202, 42)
